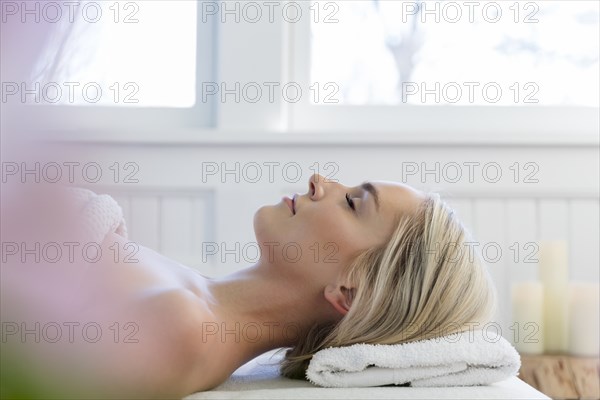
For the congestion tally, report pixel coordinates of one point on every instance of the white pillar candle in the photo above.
(554, 274)
(528, 317)
(584, 320)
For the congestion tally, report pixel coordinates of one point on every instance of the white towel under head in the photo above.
(468, 358)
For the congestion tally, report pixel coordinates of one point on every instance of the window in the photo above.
(120, 66)
(508, 53)
(470, 71)
(440, 69)
(128, 53)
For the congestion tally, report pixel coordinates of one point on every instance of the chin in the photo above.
(268, 228)
(261, 224)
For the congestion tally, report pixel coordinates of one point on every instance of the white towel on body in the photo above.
(98, 215)
(463, 359)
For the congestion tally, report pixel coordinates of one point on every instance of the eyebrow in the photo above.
(368, 186)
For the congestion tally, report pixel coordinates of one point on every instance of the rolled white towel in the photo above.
(45, 213)
(98, 215)
(468, 358)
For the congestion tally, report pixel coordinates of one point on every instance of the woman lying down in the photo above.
(109, 323)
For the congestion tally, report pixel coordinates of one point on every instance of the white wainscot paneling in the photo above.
(584, 227)
(489, 230)
(521, 239)
(177, 223)
(144, 221)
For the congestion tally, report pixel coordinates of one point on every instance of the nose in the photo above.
(315, 186)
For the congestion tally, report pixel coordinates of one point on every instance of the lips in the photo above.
(290, 204)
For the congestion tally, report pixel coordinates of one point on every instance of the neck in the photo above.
(263, 309)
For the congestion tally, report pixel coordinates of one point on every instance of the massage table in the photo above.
(260, 379)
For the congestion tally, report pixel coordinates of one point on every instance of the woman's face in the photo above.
(324, 232)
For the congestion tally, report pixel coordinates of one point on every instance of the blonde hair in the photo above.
(425, 282)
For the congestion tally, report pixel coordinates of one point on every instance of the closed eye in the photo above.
(350, 202)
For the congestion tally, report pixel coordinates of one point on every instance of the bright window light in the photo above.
(461, 53)
(140, 54)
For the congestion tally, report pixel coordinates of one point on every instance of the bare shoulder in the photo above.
(206, 363)
(180, 312)
(179, 320)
